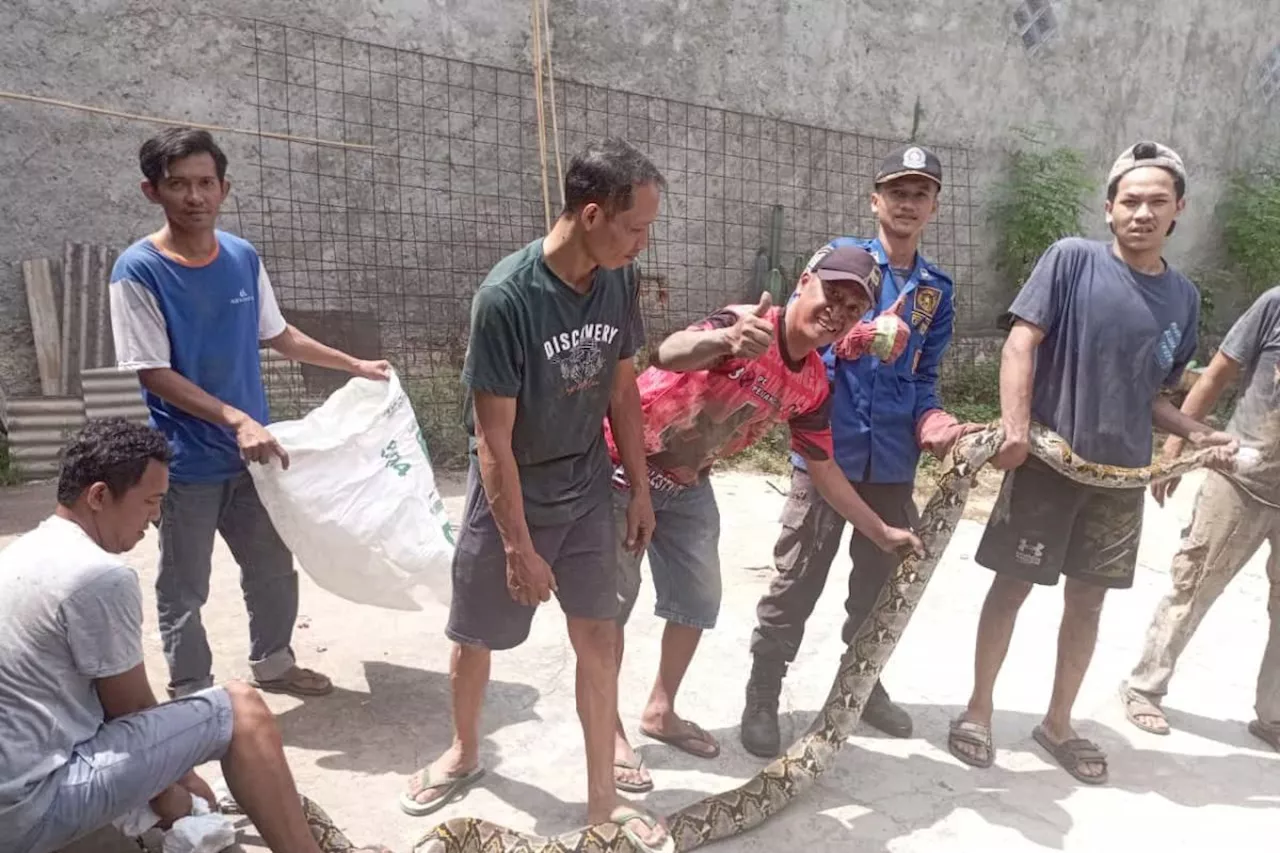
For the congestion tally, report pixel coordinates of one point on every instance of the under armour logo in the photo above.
(1028, 553)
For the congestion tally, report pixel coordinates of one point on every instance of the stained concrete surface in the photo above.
(1209, 785)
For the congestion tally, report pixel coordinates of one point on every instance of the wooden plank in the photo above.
(84, 306)
(103, 294)
(66, 318)
(44, 323)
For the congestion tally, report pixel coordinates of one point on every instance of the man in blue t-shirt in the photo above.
(1096, 332)
(190, 307)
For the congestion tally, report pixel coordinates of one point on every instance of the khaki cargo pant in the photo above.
(1227, 528)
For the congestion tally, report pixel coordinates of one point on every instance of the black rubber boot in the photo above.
(880, 713)
(760, 715)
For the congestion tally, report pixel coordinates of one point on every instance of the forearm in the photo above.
(1168, 419)
(500, 477)
(1017, 368)
(1203, 396)
(174, 388)
(691, 349)
(294, 344)
(627, 422)
(836, 490)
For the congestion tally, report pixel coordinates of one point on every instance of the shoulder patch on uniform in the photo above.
(927, 301)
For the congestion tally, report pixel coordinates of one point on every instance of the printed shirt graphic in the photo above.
(206, 323)
(1113, 338)
(694, 418)
(555, 351)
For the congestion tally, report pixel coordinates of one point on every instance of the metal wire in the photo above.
(380, 252)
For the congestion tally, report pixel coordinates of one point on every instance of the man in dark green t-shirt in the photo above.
(553, 329)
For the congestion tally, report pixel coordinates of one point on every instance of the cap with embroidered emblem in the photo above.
(847, 263)
(910, 160)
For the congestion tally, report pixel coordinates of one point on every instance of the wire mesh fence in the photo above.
(379, 250)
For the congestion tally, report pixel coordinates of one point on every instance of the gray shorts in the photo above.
(684, 556)
(582, 556)
(126, 764)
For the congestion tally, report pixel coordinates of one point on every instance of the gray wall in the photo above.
(1107, 74)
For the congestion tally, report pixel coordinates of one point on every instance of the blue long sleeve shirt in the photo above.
(875, 406)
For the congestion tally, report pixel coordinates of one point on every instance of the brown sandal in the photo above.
(1073, 753)
(298, 681)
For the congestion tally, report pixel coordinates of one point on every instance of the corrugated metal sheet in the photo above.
(109, 392)
(39, 427)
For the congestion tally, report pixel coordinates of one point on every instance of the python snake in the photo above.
(721, 816)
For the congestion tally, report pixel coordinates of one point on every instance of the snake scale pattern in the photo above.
(721, 816)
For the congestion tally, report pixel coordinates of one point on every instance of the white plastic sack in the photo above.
(358, 505)
(202, 832)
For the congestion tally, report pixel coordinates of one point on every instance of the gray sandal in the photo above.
(1140, 705)
(453, 786)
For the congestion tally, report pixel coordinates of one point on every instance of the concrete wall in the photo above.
(1107, 74)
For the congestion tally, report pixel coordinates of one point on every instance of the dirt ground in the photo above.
(1209, 785)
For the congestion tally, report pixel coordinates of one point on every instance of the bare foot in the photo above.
(450, 766)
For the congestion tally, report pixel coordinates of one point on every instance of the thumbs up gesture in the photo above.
(750, 337)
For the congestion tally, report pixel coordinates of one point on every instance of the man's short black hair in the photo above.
(175, 143)
(112, 451)
(606, 173)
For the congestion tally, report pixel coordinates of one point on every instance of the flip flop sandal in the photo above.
(296, 682)
(631, 787)
(682, 741)
(624, 815)
(1269, 734)
(1073, 753)
(1138, 705)
(452, 784)
(974, 734)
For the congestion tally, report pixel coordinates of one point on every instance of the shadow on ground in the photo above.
(398, 724)
(910, 794)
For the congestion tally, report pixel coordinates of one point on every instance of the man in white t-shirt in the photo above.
(82, 740)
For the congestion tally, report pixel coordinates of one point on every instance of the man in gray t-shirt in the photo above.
(1235, 512)
(554, 327)
(1095, 333)
(82, 740)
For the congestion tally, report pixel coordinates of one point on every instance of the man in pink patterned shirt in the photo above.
(712, 390)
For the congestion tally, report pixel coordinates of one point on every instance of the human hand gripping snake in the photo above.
(721, 816)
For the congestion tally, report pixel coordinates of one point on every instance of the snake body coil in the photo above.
(723, 815)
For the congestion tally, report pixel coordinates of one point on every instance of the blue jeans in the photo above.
(126, 764)
(190, 516)
(684, 556)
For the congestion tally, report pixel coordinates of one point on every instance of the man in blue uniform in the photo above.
(882, 416)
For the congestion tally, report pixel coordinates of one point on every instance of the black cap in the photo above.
(910, 160)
